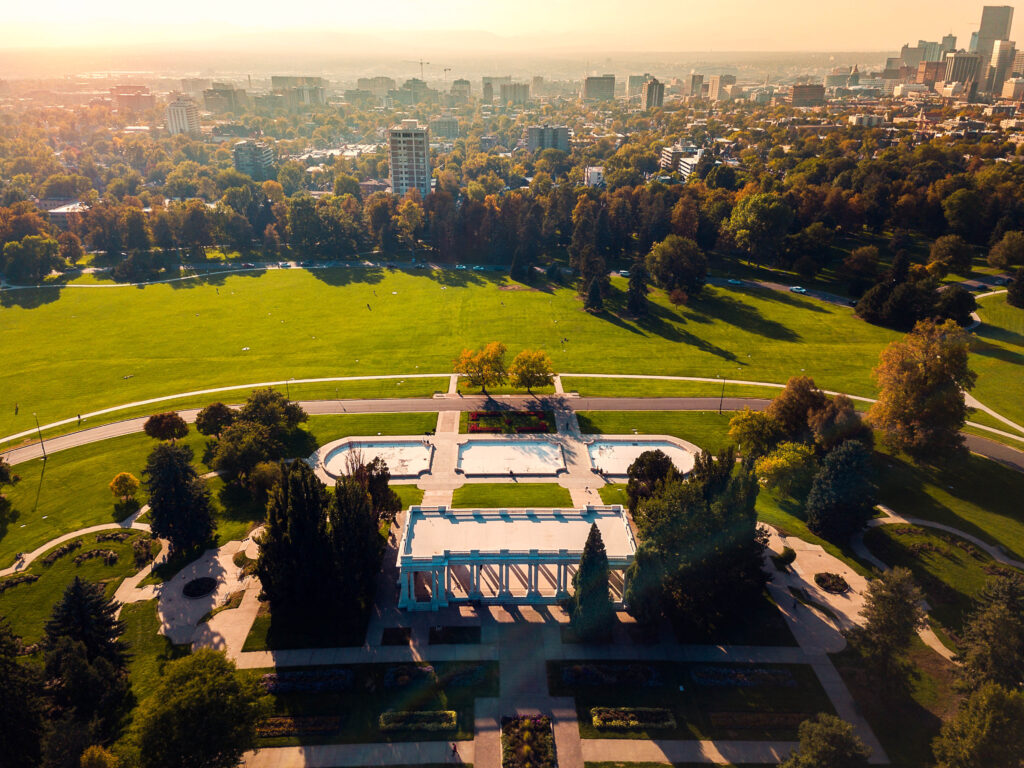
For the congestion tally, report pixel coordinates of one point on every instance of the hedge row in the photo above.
(60, 551)
(631, 718)
(427, 720)
(284, 725)
(24, 578)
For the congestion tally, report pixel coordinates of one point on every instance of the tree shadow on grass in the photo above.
(8, 515)
(785, 297)
(29, 298)
(734, 312)
(996, 333)
(987, 349)
(349, 274)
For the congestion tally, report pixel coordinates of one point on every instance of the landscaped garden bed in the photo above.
(527, 742)
(510, 422)
(284, 725)
(430, 720)
(832, 583)
(749, 701)
(631, 718)
(200, 587)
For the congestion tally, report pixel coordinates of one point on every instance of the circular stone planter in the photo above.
(832, 582)
(199, 587)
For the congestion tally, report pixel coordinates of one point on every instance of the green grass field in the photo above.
(28, 606)
(590, 386)
(235, 329)
(705, 429)
(40, 500)
(505, 495)
(149, 649)
(998, 358)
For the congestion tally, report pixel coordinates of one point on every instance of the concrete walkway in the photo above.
(668, 751)
(363, 755)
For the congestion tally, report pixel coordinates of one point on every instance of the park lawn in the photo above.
(410, 495)
(905, 726)
(70, 490)
(454, 685)
(702, 711)
(708, 430)
(150, 650)
(465, 388)
(28, 606)
(980, 497)
(508, 495)
(591, 386)
(614, 493)
(949, 570)
(330, 427)
(295, 323)
(997, 356)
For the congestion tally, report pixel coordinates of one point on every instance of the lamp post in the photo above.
(721, 397)
(40, 433)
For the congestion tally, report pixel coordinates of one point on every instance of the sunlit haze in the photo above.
(469, 26)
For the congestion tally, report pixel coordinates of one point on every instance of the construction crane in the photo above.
(421, 62)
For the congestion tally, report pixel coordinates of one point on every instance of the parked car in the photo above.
(248, 265)
(478, 268)
(623, 273)
(460, 266)
(798, 289)
(734, 281)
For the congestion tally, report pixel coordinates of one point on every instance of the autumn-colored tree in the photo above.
(788, 470)
(124, 485)
(922, 378)
(483, 367)
(531, 368)
(792, 407)
(755, 432)
(165, 426)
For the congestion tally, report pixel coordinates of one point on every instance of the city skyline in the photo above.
(465, 27)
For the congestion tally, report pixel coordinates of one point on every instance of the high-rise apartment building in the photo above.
(809, 95)
(254, 158)
(996, 21)
(635, 85)
(718, 86)
(547, 137)
(224, 98)
(491, 85)
(654, 94)
(930, 72)
(696, 86)
(517, 93)
(599, 88)
(135, 98)
(182, 116)
(1001, 66)
(460, 89)
(445, 127)
(962, 67)
(378, 86)
(409, 156)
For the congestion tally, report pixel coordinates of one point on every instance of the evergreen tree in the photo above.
(356, 546)
(893, 614)
(84, 615)
(636, 294)
(828, 742)
(295, 566)
(842, 494)
(1015, 293)
(648, 471)
(987, 732)
(992, 647)
(179, 501)
(92, 690)
(375, 478)
(595, 298)
(21, 704)
(592, 612)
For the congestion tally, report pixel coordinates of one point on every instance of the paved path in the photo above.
(668, 751)
(343, 755)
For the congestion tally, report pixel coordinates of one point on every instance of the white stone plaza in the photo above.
(406, 457)
(502, 556)
(612, 455)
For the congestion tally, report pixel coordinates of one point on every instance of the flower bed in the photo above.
(284, 725)
(470, 675)
(741, 677)
(308, 681)
(512, 422)
(60, 551)
(631, 718)
(611, 674)
(527, 742)
(199, 587)
(109, 556)
(404, 674)
(435, 720)
(832, 582)
(23, 578)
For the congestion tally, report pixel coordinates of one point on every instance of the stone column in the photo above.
(403, 581)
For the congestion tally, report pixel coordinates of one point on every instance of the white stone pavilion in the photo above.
(498, 556)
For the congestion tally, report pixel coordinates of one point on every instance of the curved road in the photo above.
(980, 445)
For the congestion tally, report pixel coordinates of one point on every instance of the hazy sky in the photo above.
(615, 25)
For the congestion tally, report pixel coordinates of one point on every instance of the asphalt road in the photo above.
(980, 445)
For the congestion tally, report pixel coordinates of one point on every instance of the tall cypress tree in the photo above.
(356, 545)
(21, 704)
(295, 564)
(592, 611)
(84, 615)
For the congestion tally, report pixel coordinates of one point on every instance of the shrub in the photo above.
(308, 681)
(831, 582)
(429, 720)
(113, 536)
(297, 726)
(527, 742)
(142, 551)
(631, 718)
(784, 558)
(60, 551)
(24, 578)
(109, 556)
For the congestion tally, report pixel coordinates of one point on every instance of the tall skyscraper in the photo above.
(1001, 66)
(696, 85)
(409, 156)
(547, 137)
(963, 67)
(517, 93)
(996, 21)
(654, 94)
(182, 117)
(718, 86)
(599, 88)
(635, 85)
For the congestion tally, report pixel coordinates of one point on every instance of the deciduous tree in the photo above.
(795, 404)
(755, 432)
(892, 615)
(992, 646)
(987, 731)
(828, 742)
(787, 470)
(1008, 253)
(165, 426)
(124, 485)
(678, 262)
(531, 368)
(922, 378)
(483, 367)
(214, 418)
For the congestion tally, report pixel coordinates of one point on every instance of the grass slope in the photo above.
(998, 358)
(705, 429)
(294, 323)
